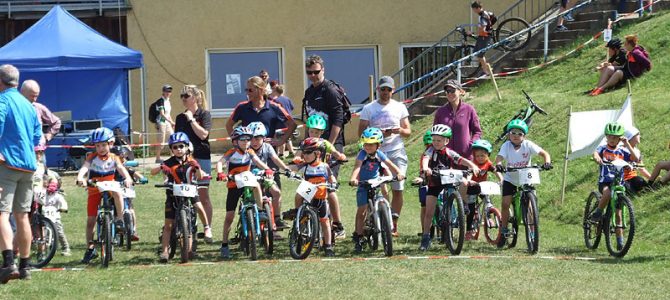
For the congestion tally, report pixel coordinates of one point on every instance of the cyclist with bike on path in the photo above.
(237, 160)
(517, 151)
(101, 165)
(175, 168)
(484, 33)
(370, 164)
(438, 157)
(481, 149)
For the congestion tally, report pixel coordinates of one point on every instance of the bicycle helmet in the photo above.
(316, 122)
(482, 144)
(517, 124)
(102, 135)
(257, 129)
(428, 137)
(614, 43)
(240, 131)
(441, 130)
(311, 144)
(178, 137)
(614, 128)
(372, 135)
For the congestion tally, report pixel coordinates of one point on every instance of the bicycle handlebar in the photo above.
(533, 104)
(169, 185)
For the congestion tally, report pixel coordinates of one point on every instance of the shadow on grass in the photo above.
(634, 260)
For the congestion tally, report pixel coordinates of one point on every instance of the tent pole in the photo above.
(144, 104)
(130, 107)
(565, 158)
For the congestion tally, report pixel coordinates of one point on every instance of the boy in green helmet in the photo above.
(421, 181)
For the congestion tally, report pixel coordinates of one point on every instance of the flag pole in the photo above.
(565, 158)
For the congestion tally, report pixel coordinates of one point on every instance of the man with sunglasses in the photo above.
(392, 118)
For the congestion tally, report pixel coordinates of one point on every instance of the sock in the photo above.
(8, 257)
(619, 240)
(23, 262)
(224, 245)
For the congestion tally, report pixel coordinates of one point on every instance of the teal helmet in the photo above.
(517, 124)
(482, 144)
(316, 122)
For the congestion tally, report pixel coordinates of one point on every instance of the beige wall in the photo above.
(178, 32)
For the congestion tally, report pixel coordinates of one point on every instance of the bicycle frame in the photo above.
(526, 188)
(249, 202)
(374, 199)
(106, 207)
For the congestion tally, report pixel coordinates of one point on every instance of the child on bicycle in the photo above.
(266, 153)
(370, 164)
(238, 160)
(517, 151)
(175, 169)
(422, 182)
(481, 149)
(438, 157)
(612, 150)
(101, 166)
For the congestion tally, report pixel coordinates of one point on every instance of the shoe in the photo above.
(619, 245)
(596, 216)
(225, 253)
(560, 28)
(24, 273)
(40, 256)
(329, 251)
(358, 244)
(470, 235)
(338, 229)
(66, 252)
(119, 225)
(135, 238)
(568, 17)
(8, 273)
(163, 258)
(89, 255)
(425, 242)
(193, 255)
(280, 224)
(588, 92)
(208, 236)
(596, 92)
(503, 238)
(289, 214)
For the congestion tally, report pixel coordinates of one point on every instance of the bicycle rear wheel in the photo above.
(128, 233)
(251, 234)
(469, 67)
(592, 232)
(508, 28)
(44, 244)
(620, 222)
(514, 233)
(454, 229)
(492, 225)
(303, 234)
(531, 219)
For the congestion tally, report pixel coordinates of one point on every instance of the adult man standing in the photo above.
(20, 132)
(322, 98)
(164, 123)
(392, 118)
(50, 122)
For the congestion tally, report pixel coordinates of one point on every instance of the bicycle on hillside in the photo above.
(618, 219)
(524, 210)
(505, 29)
(525, 114)
(451, 221)
(378, 221)
(484, 208)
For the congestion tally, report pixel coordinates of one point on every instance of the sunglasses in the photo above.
(315, 72)
(517, 133)
(385, 89)
(244, 139)
(185, 96)
(450, 90)
(249, 90)
(176, 147)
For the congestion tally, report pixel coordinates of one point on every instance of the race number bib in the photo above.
(185, 190)
(50, 212)
(489, 188)
(379, 180)
(245, 178)
(108, 186)
(129, 192)
(306, 190)
(528, 176)
(450, 176)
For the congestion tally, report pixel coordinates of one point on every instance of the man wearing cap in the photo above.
(392, 118)
(461, 117)
(164, 123)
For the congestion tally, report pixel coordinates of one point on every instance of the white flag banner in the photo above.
(586, 128)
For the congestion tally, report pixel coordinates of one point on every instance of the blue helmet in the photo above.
(372, 135)
(102, 135)
(257, 129)
(240, 131)
(178, 137)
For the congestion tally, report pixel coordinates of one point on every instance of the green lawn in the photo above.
(641, 274)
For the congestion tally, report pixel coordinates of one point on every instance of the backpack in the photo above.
(346, 102)
(492, 20)
(153, 111)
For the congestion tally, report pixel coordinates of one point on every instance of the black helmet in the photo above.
(614, 43)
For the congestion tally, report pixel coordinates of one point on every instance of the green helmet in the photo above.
(518, 124)
(482, 144)
(428, 137)
(614, 129)
(317, 122)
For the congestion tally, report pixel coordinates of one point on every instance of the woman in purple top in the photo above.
(461, 117)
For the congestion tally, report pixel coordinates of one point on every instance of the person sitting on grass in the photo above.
(637, 62)
(616, 58)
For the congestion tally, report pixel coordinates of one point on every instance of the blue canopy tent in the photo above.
(78, 69)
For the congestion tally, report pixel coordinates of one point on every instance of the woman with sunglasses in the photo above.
(461, 118)
(196, 122)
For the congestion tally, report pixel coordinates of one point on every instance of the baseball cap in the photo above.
(167, 88)
(386, 81)
(453, 83)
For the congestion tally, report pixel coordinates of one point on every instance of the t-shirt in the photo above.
(178, 169)
(441, 159)
(317, 173)
(201, 149)
(272, 115)
(608, 153)
(102, 168)
(619, 58)
(165, 105)
(238, 162)
(265, 153)
(372, 166)
(285, 102)
(51, 206)
(485, 22)
(386, 117)
(517, 158)
(486, 167)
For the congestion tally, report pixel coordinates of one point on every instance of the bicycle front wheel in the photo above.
(592, 232)
(267, 235)
(620, 229)
(492, 225)
(106, 239)
(44, 245)
(185, 228)
(251, 234)
(510, 27)
(454, 232)
(304, 234)
(385, 224)
(469, 67)
(531, 221)
(128, 233)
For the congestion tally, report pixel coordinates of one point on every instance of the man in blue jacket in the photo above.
(20, 132)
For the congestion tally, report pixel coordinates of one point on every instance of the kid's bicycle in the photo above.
(452, 216)
(378, 220)
(44, 243)
(487, 214)
(525, 114)
(249, 223)
(105, 229)
(618, 220)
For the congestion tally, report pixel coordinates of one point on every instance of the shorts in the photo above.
(206, 166)
(321, 207)
(602, 185)
(399, 158)
(508, 189)
(423, 191)
(474, 190)
(170, 212)
(482, 42)
(362, 196)
(336, 169)
(94, 199)
(434, 191)
(17, 190)
(232, 198)
(164, 131)
(635, 184)
(564, 3)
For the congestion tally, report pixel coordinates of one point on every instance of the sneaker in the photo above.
(588, 92)
(596, 92)
(280, 224)
(119, 225)
(225, 253)
(163, 258)
(503, 238)
(470, 235)
(568, 17)
(560, 28)
(596, 216)
(358, 244)
(425, 242)
(329, 251)
(289, 214)
(338, 229)
(135, 237)
(24, 273)
(66, 252)
(8, 273)
(208, 236)
(89, 255)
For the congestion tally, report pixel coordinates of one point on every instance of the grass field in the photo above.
(503, 274)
